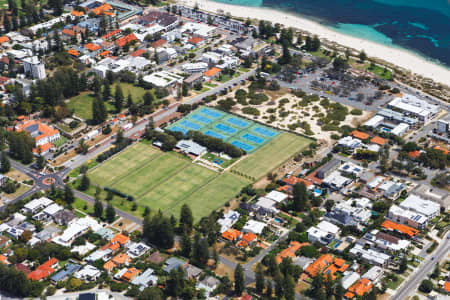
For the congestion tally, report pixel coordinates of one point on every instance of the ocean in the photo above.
(417, 25)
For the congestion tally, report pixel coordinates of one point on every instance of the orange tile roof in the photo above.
(441, 149)
(92, 47)
(212, 72)
(120, 238)
(349, 295)
(285, 188)
(447, 286)
(45, 130)
(195, 40)
(4, 259)
(109, 265)
(414, 154)
(101, 9)
(359, 135)
(77, 13)
(126, 39)
(120, 259)
(4, 39)
(343, 268)
(69, 32)
(231, 234)
(400, 227)
(43, 270)
(249, 237)
(109, 13)
(158, 43)
(294, 246)
(330, 271)
(130, 274)
(112, 33)
(293, 180)
(339, 262)
(378, 140)
(106, 53)
(138, 52)
(73, 52)
(114, 247)
(242, 244)
(43, 148)
(318, 265)
(361, 287)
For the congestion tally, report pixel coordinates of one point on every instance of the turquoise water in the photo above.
(419, 26)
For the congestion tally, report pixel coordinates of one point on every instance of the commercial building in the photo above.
(163, 79)
(328, 168)
(190, 147)
(397, 117)
(442, 126)
(375, 121)
(34, 67)
(412, 106)
(417, 204)
(374, 274)
(400, 129)
(42, 133)
(408, 217)
(198, 67)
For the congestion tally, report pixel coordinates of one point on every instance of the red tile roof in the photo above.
(195, 40)
(400, 227)
(414, 154)
(69, 32)
(126, 39)
(293, 180)
(43, 270)
(212, 72)
(112, 33)
(138, 52)
(158, 43)
(92, 47)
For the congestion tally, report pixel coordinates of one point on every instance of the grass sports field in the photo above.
(271, 155)
(165, 180)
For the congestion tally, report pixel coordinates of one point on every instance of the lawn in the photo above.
(271, 155)
(59, 142)
(163, 180)
(83, 206)
(19, 191)
(393, 284)
(209, 84)
(380, 72)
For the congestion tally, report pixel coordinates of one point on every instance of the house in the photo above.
(130, 274)
(319, 265)
(294, 246)
(212, 73)
(347, 214)
(293, 180)
(231, 234)
(392, 226)
(360, 288)
(15, 233)
(4, 260)
(408, 217)
(137, 249)
(76, 229)
(191, 147)
(159, 43)
(323, 233)
(267, 208)
(192, 272)
(47, 233)
(196, 41)
(198, 67)
(374, 274)
(4, 241)
(42, 133)
(68, 270)
(121, 259)
(146, 279)
(36, 204)
(228, 220)
(208, 284)
(106, 233)
(126, 40)
(156, 258)
(415, 203)
(349, 279)
(276, 196)
(67, 35)
(378, 141)
(335, 181)
(64, 217)
(173, 263)
(99, 254)
(255, 227)
(194, 79)
(88, 273)
(370, 256)
(44, 270)
(23, 268)
(328, 168)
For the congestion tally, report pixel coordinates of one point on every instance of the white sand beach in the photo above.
(399, 57)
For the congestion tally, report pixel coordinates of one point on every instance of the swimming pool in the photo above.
(243, 146)
(225, 128)
(264, 131)
(201, 119)
(214, 134)
(210, 113)
(237, 122)
(385, 129)
(318, 192)
(277, 220)
(190, 125)
(253, 138)
(176, 128)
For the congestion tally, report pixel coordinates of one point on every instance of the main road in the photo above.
(411, 284)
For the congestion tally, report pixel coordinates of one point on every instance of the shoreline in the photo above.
(400, 57)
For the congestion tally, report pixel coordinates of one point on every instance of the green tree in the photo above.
(118, 97)
(85, 183)
(300, 196)
(239, 280)
(40, 162)
(5, 164)
(339, 291)
(69, 197)
(289, 288)
(186, 246)
(186, 219)
(426, 286)
(98, 209)
(259, 276)
(362, 56)
(151, 293)
(110, 213)
(200, 253)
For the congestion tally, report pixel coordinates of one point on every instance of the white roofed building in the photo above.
(253, 226)
(411, 105)
(163, 79)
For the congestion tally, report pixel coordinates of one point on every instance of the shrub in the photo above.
(356, 112)
(251, 111)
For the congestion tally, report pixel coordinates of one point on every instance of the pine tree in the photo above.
(269, 288)
(118, 97)
(27, 156)
(300, 196)
(5, 164)
(129, 100)
(339, 291)
(69, 198)
(289, 288)
(98, 209)
(106, 90)
(6, 23)
(85, 183)
(186, 246)
(110, 213)
(200, 250)
(149, 98)
(259, 274)
(239, 280)
(186, 219)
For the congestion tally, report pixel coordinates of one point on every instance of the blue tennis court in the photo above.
(237, 122)
(176, 128)
(210, 113)
(243, 146)
(265, 132)
(253, 138)
(214, 134)
(225, 128)
(202, 119)
(217, 161)
(190, 125)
